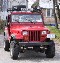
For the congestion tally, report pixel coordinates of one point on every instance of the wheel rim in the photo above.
(11, 51)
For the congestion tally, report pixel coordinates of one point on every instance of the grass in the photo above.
(55, 31)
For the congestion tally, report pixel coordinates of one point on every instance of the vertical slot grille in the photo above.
(34, 35)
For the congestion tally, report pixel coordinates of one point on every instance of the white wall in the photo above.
(46, 3)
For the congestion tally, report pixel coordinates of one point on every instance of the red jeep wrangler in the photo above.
(26, 31)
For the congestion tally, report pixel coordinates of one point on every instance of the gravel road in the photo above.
(29, 56)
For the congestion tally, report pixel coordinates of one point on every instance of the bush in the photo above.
(2, 25)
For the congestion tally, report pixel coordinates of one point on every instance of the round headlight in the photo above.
(12, 35)
(25, 33)
(44, 32)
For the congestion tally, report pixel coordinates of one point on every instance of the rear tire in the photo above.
(6, 45)
(50, 52)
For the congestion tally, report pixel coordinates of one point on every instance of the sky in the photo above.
(30, 3)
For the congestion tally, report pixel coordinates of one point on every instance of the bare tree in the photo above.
(55, 16)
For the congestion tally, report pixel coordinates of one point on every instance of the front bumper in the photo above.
(35, 43)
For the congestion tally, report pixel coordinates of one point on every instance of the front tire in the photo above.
(14, 51)
(50, 52)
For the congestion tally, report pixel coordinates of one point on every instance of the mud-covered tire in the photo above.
(14, 52)
(50, 52)
(6, 45)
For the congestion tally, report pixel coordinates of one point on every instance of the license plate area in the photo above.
(50, 35)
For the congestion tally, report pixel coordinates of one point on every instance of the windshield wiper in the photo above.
(30, 21)
(17, 21)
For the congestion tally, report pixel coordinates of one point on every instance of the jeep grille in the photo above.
(34, 35)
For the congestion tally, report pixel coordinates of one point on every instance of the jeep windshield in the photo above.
(27, 18)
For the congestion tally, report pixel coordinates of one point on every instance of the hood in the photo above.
(28, 27)
(17, 29)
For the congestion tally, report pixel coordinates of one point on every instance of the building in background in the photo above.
(48, 13)
(8, 4)
(47, 6)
